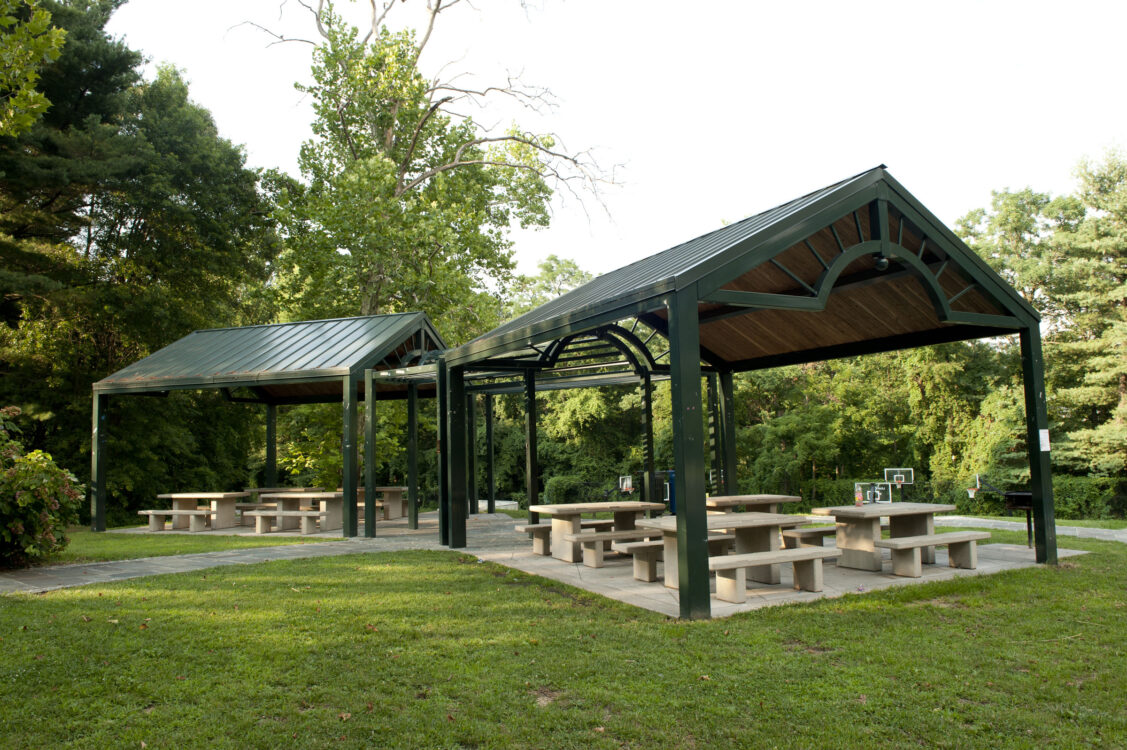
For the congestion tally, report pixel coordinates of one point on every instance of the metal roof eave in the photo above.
(220, 381)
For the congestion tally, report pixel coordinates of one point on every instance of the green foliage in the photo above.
(557, 276)
(1088, 497)
(38, 499)
(27, 43)
(568, 488)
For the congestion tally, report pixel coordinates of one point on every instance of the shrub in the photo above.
(570, 488)
(37, 499)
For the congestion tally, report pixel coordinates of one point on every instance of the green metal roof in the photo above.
(281, 354)
(642, 286)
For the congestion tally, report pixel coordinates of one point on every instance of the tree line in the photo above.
(127, 221)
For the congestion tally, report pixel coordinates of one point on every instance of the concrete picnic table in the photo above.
(330, 503)
(566, 519)
(761, 503)
(222, 506)
(858, 527)
(754, 532)
(394, 501)
(257, 492)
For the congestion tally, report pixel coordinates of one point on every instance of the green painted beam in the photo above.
(442, 406)
(412, 456)
(271, 473)
(456, 455)
(369, 456)
(471, 453)
(728, 423)
(490, 480)
(1037, 440)
(649, 463)
(714, 439)
(98, 463)
(531, 466)
(351, 454)
(688, 456)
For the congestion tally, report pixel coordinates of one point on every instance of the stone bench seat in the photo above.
(197, 519)
(731, 570)
(594, 542)
(262, 519)
(647, 553)
(907, 560)
(541, 534)
(808, 536)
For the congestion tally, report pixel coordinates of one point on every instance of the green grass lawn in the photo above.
(434, 649)
(88, 546)
(1100, 523)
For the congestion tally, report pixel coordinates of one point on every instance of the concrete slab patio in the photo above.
(492, 538)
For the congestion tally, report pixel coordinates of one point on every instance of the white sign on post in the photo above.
(1044, 435)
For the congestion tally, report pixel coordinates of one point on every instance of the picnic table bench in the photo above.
(541, 533)
(197, 517)
(308, 519)
(594, 542)
(731, 570)
(906, 550)
(647, 553)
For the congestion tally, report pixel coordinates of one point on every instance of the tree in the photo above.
(557, 276)
(407, 204)
(126, 221)
(27, 43)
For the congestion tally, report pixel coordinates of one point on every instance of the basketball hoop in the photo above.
(971, 491)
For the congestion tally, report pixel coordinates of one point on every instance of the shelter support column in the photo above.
(728, 425)
(369, 455)
(97, 464)
(270, 478)
(471, 453)
(688, 454)
(490, 483)
(715, 484)
(412, 456)
(442, 402)
(351, 458)
(531, 469)
(1037, 438)
(456, 455)
(649, 477)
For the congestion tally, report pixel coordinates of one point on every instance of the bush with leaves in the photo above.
(37, 499)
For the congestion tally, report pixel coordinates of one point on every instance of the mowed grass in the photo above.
(88, 546)
(436, 650)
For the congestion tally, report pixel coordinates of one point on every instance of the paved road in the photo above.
(486, 533)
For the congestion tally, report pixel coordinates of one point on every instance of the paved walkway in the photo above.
(490, 537)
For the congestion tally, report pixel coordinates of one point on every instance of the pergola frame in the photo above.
(863, 237)
(307, 362)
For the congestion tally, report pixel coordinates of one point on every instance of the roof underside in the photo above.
(302, 362)
(857, 267)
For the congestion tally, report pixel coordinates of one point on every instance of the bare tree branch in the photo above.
(278, 38)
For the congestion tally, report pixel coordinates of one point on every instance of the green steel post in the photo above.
(489, 479)
(443, 449)
(471, 454)
(728, 424)
(1037, 438)
(97, 464)
(531, 469)
(351, 458)
(716, 480)
(688, 454)
(456, 455)
(271, 475)
(412, 456)
(369, 455)
(649, 476)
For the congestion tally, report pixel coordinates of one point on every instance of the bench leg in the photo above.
(718, 547)
(593, 554)
(906, 562)
(196, 523)
(262, 524)
(808, 574)
(156, 522)
(308, 525)
(963, 555)
(542, 543)
(731, 585)
(645, 565)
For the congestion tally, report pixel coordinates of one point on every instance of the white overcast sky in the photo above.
(715, 110)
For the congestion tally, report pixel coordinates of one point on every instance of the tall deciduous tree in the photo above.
(28, 41)
(407, 204)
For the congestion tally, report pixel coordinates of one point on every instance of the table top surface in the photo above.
(389, 489)
(728, 521)
(303, 496)
(725, 501)
(565, 509)
(876, 510)
(260, 490)
(202, 495)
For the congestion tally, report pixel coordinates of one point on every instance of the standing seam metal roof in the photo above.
(306, 349)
